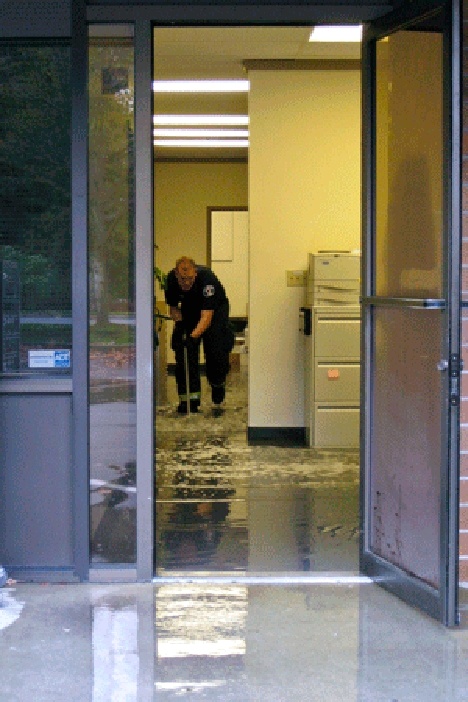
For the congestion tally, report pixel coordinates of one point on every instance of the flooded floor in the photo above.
(314, 642)
(256, 598)
(225, 506)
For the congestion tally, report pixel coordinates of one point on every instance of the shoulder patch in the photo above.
(208, 291)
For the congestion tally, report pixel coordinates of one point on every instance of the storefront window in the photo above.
(35, 226)
(112, 295)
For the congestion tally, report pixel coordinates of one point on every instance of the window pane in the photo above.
(409, 166)
(112, 298)
(35, 228)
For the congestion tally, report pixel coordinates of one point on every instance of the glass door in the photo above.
(411, 367)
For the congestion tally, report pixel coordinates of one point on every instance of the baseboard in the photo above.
(276, 436)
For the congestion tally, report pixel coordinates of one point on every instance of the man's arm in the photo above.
(205, 320)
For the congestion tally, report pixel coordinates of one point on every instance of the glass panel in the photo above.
(409, 173)
(406, 438)
(112, 296)
(35, 229)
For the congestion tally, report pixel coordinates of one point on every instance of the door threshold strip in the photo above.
(318, 579)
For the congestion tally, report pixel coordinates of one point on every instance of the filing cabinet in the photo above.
(333, 404)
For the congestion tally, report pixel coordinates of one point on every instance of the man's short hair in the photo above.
(185, 259)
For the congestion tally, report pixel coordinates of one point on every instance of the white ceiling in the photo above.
(219, 52)
(213, 52)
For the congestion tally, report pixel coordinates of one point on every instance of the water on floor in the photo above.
(313, 642)
(225, 506)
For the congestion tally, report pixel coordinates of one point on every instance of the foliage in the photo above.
(110, 180)
(114, 334)
(35, 171)
(161, 277)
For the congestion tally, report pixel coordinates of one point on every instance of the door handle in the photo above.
(442, 365)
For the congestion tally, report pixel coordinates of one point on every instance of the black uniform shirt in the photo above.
(206, 293)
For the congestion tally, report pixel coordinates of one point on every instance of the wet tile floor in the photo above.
(224, 643)
(225, 506)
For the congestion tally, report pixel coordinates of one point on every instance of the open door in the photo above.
(410, 305)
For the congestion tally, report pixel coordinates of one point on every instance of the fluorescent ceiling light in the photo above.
(187, 143)
(224, 133)
(336, 33)
(200, 86)
(205, 120)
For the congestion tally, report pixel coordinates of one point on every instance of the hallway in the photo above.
(302, 643)
(225, 506)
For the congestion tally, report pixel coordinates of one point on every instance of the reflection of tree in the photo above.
(35, 172)
(110, 180)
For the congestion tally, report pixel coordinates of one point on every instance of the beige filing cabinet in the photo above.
(332, 398)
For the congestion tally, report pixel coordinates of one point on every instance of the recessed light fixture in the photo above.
(183, 133)
(201, 120)
(336, 33)
(211, 143)
(201, 86)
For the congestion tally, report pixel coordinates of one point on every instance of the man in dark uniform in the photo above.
(200, 309)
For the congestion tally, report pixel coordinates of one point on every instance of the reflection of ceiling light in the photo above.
(219, 143)
(200, 86)
(206, 120)
(336, 33)
(225, 133)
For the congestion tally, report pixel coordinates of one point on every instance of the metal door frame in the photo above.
(441, 604)
(144, 17)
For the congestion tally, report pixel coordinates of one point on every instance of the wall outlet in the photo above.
(296, 279)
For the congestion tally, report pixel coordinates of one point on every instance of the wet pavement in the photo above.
(314, 642)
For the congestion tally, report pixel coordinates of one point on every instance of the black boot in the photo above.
(182, 408)
(218, 393)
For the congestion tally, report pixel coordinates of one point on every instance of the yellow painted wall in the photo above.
(183, 191)
(304, 195)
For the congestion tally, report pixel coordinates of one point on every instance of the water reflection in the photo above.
(113, 515)
(195, 522)
(223, 506)
(115, 650)
(342, 642)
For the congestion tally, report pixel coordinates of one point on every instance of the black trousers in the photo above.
(218, 341)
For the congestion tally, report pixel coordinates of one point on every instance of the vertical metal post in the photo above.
(79, 158)
(144, 297)
(453, 228)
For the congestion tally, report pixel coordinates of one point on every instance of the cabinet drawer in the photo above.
(336, 427)
(335, 382)
(337, 338)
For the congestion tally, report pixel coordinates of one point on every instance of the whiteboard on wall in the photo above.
(229, 242)
(222, 236)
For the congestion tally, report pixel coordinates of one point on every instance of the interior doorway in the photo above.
(242, 493)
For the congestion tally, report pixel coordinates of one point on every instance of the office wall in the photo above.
(183, 191)
(304, 195)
